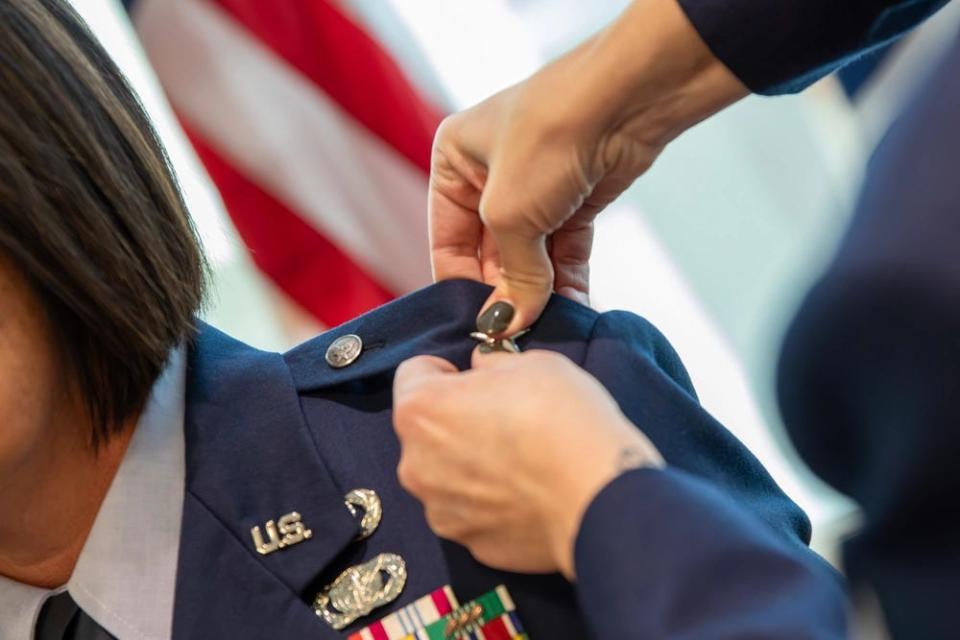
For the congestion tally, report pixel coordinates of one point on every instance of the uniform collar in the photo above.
(250, 459)
(125, 576)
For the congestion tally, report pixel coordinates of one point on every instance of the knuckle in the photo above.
(409, 477)
(500, 214)
(403, 422)
(406, 369)
(531, 280)
(410, 408)
(435, 522)
(448, 131)
(442, 524)
(483, 552)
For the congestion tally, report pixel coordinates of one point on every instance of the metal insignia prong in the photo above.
(369, 502)
(489, 344)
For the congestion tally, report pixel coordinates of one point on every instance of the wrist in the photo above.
(580, 480)
(654, 76)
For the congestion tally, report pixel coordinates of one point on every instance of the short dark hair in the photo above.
(90, 211)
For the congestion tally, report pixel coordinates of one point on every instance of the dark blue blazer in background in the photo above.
(870, 373)
(869, 379)
(267, 434)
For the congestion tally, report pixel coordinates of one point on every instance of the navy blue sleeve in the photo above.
(711, 548)
(661, 554)
(783, 46)
(641, 370)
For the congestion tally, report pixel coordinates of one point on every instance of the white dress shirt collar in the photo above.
(125, 577)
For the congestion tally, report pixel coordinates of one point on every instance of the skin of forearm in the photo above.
(651, 75)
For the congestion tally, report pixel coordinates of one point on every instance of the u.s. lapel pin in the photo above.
(288, 530)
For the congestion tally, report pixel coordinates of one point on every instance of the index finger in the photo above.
(455, 236)
(453, 206)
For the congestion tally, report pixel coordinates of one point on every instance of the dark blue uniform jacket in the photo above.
(268, 434)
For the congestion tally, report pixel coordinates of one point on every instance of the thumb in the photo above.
(526, 272)
(412, 374)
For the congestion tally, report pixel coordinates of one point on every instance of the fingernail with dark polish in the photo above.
(496, 318)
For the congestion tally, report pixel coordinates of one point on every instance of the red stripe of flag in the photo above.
(302, 262)
(326, 46)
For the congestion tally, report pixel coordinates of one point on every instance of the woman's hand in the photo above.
(506, 457)
(517, 180)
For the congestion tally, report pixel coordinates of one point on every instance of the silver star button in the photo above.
(344, 351)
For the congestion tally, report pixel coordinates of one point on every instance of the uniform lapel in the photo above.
(250, 459)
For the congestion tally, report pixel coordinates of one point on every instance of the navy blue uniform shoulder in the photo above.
(435, 320)
(640, 368)
(635, 332)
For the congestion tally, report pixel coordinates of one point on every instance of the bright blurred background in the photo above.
(317, 145)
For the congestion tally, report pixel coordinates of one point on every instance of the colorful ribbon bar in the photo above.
(492, 616)
(405, 622)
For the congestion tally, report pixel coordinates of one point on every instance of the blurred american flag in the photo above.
(315, 138)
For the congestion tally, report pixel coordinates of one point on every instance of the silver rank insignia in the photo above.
(369, 502)
(361, 589)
